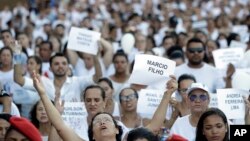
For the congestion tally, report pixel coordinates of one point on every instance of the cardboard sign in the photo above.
(75, 116)
(83, 40)
(213, 100)
(241, 79)
(148, 102)
(222, 57)
(149, 69)
(231, 102)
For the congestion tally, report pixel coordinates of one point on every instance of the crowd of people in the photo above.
(39, 72)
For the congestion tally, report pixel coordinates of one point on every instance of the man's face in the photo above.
(7, 37)
(59, 66)
(195, 53)
(4, 125)
(24, 40)
(13, 135)
(120, 64)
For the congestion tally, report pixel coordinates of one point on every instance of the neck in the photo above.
(44, 128)
(120, 75)
(196, 65)
(194, 118)
(130, 114)
(58, 81)
(6, 68)
(106, 139)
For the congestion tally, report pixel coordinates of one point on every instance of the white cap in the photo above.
(195, 86)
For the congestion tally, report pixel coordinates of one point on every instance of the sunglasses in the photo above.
(182, 90)
(128, 97)
(201, 97)
(193, 50)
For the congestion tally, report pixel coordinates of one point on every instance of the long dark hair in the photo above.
(211, 111)
(90, 130)
(33, 118)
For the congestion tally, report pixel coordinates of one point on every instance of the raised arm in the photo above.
(66, 133)
(98, 70)
(160, 113)
(107, 52)
(229, 74)
(5, 100)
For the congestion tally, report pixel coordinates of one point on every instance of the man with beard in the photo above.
(69, 88)
(203, 72)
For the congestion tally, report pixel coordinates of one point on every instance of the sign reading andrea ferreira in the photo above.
(148, 101)
(149, 69)
(222, 57)
(231, 102)
(83, 40)
(75, 115)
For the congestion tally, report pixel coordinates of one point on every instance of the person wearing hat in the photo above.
(198, 100)
(21, 129)
(4, 124)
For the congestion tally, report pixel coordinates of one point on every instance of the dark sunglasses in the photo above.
(128, 97)
(193, 50)
(182, 90)
(201, 97)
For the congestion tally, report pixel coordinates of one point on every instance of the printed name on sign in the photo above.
(239, 132)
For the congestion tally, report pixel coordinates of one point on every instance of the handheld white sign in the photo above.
(222, 57)
(83, 40)
(148, 102)
(231, 102)
(149, 69)
(127, 42)
(241, 79)
(213, 100)
(235, 44)
(75, 116)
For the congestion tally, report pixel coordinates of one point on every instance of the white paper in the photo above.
(238, 44)
(231, 102)
(83, 40)
(149, 69)
(127, 42)
(222, 57)
(148, 102)
(75, 116)
(241, 79)
(199, 24)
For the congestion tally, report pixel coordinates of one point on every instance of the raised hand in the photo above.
(38, 83)
(58, 103)
(172, 85)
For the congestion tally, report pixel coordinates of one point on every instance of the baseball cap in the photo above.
(176, 137)
(195, 86)
(26, 128)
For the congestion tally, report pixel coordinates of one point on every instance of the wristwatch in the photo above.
(3, 93)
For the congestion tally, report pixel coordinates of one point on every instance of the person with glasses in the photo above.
(128, 101)
(180, 108)
(198, 100)
(203, 72)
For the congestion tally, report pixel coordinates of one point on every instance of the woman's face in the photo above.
(94, 102)
(41, 114)
(214, 128)
(104, 126)
(107, 89)
(128, 100)
(32, 65)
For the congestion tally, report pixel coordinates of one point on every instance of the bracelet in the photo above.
(3, 93)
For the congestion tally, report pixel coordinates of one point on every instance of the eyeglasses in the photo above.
(193, 50)
(128, 97)
(182, 90)
(202, 97)
(102, 120)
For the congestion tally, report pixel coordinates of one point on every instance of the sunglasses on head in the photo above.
(193, 50)
(202, 97)
(128, 97)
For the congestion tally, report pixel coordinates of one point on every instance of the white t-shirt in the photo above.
(183, 127)
(208, 75)
(71, 90)
(14, 110)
